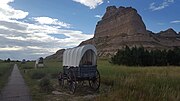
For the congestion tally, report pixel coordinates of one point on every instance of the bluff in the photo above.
(123, 26)
(118, 21)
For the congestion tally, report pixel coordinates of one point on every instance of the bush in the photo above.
(38, 75)
(45, 85)
(54, 75)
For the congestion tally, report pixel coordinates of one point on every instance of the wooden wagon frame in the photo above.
(80, 64)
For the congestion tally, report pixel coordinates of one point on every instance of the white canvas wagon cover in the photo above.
(39, 60)
(74, 57)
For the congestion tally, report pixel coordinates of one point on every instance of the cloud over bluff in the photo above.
(124, 26)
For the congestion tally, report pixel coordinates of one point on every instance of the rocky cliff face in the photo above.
(124, 26)
(118, 21)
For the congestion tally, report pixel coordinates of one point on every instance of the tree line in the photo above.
(141, 57)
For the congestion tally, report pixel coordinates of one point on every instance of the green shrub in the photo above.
(45, 85)
(38, 75)
(54, 75)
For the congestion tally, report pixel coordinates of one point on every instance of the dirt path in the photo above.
(15, 89)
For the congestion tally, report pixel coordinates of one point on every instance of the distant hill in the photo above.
(124, 26)
(56, 56)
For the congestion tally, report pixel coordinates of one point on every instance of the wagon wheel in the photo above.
(71, 79)
(95, 81)
(61, 79)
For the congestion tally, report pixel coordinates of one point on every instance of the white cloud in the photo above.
(175, 21)
(8, 12)
(51, 21)
(12, 48)
(98, 16)
(20, 39)
(163, 5)
(35, 39)
(5, 2)
(92, 4)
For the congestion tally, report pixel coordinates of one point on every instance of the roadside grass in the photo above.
(51, 70)
(27, 65)
(5, 71)
(118, 83)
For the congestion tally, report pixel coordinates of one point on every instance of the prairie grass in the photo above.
(139, 83)
(5, 70)
(27, 65)
(121, 83)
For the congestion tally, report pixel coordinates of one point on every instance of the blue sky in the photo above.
(33, 28)
(82, 17)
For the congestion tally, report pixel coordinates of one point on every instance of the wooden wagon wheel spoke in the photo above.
(61, 79)
(71, 81)
(95, 83)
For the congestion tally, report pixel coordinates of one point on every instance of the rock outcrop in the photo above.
(169, 33)
(57, 56)
(118, 21)
(123, 26)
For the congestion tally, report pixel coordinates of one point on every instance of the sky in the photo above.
(30, 29)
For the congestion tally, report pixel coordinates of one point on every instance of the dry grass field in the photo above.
(118, 83)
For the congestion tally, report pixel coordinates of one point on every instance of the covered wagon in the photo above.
(23, 61)
(39, 63)
(80, 64)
